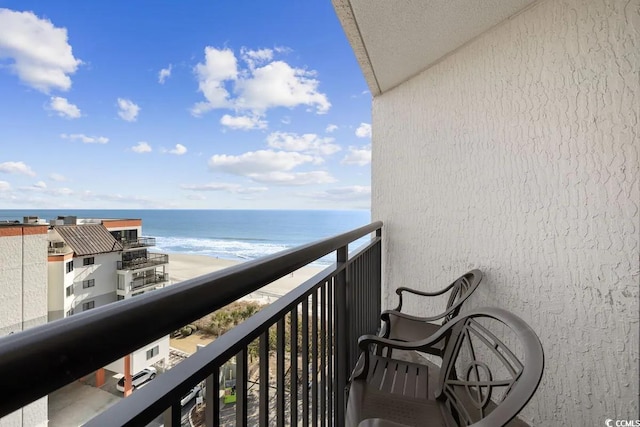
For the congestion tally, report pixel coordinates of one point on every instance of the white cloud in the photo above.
(128, 110)
(179, 150)
(42, 57)
(350, 193)
(277, 84)
(85, 138)
(141, 147)
(57, 177)
(358, 156)
(293, 178)
(256, 57)
(218, 66)
(64, 108)
(224, 186)
(309, 143)
(243, 122)
(40, 184)
(164, 74)
(364, 130)
(331, 128)
(4, 186)
(258, 162)
(16, 167)
(61, 191)
(256, 88)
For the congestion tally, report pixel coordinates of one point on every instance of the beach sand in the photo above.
(184, 267)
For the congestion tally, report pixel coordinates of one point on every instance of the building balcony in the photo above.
(151, 280)
(141, 242)
(150, 260)
(311, 331)
(58, 248)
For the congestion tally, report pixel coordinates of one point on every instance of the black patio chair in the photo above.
(483, 382)
(405, 327)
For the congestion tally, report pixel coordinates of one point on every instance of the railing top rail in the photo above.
(64, 350)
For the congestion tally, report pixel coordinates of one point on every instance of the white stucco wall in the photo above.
(23, 303)
(103, 272)
(139, 359)
(518, 155)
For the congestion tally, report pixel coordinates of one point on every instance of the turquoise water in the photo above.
(230, 234)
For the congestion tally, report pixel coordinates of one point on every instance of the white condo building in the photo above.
(93, 262)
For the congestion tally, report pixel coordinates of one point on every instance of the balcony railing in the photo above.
(141, 242)
(143, 262)
(319, 322)
(148, 280)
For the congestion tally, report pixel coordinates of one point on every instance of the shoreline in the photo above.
(187, 266)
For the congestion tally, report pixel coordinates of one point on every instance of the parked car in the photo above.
(191, 395)
(147, 374)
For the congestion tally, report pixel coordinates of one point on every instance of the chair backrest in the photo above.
(483, 382)
(462, 288)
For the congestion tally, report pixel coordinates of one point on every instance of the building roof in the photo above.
(88, 239)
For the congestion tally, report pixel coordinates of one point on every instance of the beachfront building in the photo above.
(94, 262)
(23, 297)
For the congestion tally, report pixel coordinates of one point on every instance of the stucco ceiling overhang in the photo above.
(396, 39)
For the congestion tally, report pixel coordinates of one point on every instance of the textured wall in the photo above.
(518, 155)
(23, 304)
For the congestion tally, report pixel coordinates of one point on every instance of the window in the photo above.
(70, 266)
(88, 305)
(70, 312)
(89, 261)
(88, 283)
(69, 290)
(153, 352)
(119, 297)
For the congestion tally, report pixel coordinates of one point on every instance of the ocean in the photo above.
(228, 234)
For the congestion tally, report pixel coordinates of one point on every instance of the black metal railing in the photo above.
(140, 242)
(148, 280)
(319, 322)
(143, 262)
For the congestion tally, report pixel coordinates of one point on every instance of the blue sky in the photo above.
(165, 104)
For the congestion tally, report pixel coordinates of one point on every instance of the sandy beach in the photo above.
(184, 267)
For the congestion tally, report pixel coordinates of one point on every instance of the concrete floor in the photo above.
(76, 403)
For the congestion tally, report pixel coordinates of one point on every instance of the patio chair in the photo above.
(482, 382)
(405, 327)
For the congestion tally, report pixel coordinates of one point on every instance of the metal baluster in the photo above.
(212, 399)
(305, 362)
(280, 392)
(241, 388)
(294, 367)
(264, 379)
(314, 356)
(330, 372)
(342, 337)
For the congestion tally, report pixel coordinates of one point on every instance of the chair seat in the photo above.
(403, 329)
(396, 391)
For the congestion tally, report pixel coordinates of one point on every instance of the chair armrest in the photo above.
(366, 340)
(402, 289)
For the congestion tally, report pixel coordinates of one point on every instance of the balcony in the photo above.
(144, 282)
(150, 260)
(311, 331)
(141, 242)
